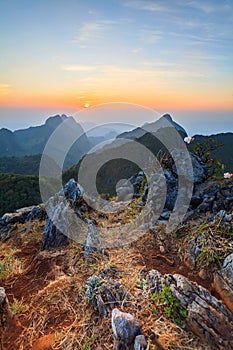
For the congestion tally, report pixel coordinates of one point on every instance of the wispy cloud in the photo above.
(5, 89)
(208, 6)
(145, 5)
(89, 31)
(79, 68)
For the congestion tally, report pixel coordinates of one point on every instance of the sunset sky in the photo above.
(174, 56)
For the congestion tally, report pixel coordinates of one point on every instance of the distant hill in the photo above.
(31, 141)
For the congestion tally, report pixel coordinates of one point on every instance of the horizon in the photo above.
(191, 125)
(174, 57)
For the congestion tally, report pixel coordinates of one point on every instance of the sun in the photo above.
(86, 105)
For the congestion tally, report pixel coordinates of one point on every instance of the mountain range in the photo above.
(20, 154)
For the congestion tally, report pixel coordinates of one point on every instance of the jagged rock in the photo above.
(92, 243)
(207, 317)
(20, 216)
(223, 282)
(192, 251)
(199, 169)
(72, 191)
(52, 237)
(140, 343)
(37, 213)
(105, 294)
(125, 329)
(136, 181)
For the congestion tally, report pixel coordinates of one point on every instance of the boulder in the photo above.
(125, 329)
(208, 317)
(92, 243)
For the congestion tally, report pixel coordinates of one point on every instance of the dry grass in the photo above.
(59, 306)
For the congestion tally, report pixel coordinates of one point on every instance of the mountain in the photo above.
(32, 141)
(223, 153)
(152, 127)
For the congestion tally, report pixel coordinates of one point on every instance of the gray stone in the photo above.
(140, 343)
(208, 317)
(125, 329)
(92, 243)
(72, 191)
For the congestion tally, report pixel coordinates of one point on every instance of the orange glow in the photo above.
(192, 100)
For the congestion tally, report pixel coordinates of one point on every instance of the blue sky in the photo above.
(173, 56)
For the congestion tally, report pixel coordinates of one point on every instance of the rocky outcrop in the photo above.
(105, 294)
(127, 332)
(60, 208)
(19, 217)
(208, 317)
(223, 282)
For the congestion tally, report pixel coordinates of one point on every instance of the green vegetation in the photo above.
(17, 191)
(10, 265)
(214, 149)
(19, 308)
(27, 165)
(166, 302)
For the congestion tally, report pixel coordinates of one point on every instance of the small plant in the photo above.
(10, 265)
(166, 302)
(19, 308)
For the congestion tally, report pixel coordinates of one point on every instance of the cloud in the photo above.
(207, 7)
(79, 68)
(90, 31)
(5, 89)
(146, 5)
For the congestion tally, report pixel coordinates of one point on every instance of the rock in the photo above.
(192, 251)
(37, 213)
(199, 169)
(172, 189)
(207, 317)
(125, 329)
(140, 343)
(92, 243)
(136, 181)
(105, 294)
(227, 269)
(223, 282)
(5, 310)
(20, 216)
(52, 237)
(165, 215)
(124, 190)
(73, 191)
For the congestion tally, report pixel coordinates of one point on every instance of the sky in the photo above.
(174, 56)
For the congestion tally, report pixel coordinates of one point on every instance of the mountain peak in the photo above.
(55, 120)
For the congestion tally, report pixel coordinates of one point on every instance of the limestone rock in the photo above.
(125, 329)
(37, 213)
(92, 243)
(140, 343)
(223, 282)
(208, 317)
